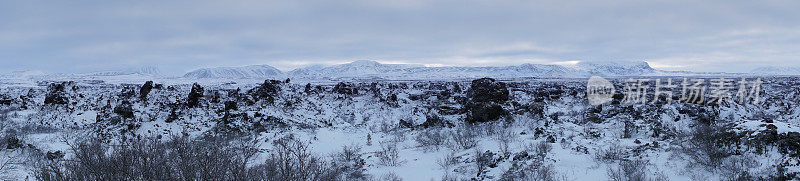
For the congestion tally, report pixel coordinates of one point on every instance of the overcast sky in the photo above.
(179, 36)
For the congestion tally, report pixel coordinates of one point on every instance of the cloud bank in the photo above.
(179, 36)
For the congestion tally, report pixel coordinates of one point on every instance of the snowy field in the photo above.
(465, 129)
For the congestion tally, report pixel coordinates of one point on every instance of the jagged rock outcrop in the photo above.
(486, 90)
(124, 110)
(194, 95)
(146, 88)
(266, 91)
(56, 94)
(345, 88)
(485, 98)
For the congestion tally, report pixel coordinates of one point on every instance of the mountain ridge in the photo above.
(250, 71)
(374, 69)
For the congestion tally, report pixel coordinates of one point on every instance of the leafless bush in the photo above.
(10, 160)
(610, 154)
(484, 160)
(539, 150)
(11, 139)
(3, 118)
(398, 135)
(431, 139)
(738, 168)
(391, 176)
(705, 147)
(45, 168)
(535, 171)
(448, 177)
(388, 154)
(386, 127)
(448, 161)
(149, 159)
(629, 170)
(208, 158)
(351, 161)
(505, 137)
(463, 138)
(291, 160)
(544, 173)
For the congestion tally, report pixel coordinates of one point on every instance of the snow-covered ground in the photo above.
(427, 121)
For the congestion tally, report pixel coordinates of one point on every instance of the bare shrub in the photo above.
(398, 135)
(391, 176)
(544, 173)
(4, 118)
(484, 160)
(11, 139)
(505, 138)
(292, 160)
(539, 150)
(448, 161)
(431, 139)
(705, 146)
(463, 138)
(388, 155)
(449, 177)
(182, 158)
(535, 171)
(351, 162)
(613, 153)
(737, 168)
(10, 160)
(629, 170)
(386, 127)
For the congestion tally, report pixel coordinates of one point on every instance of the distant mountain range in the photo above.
(367, 69)
(373, 69)
(145, 70)
(252, 71)
(775, 70)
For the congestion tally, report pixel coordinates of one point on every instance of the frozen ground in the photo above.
(526, 129)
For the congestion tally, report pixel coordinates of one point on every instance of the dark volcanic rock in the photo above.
(54, 155)
(194, 95)
(12, 142)
(145, 89)
(173, 115)
(406, 124)
(487, 90)
(345, 88)
(124, 110)
(56, 94)
(266, 91)
(484, 112)
(5, 100)
(435, 121)
(485, 99)
(231, 105)
(307, 88)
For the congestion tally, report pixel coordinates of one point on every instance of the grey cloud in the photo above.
(178, 36)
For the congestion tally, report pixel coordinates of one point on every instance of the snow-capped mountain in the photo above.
(144, 70)
(307, 71)
(360, 68)
(25, 73)
(253, 71)
(615, 68)
(367, 69)
(775, 70)
(372, 69)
